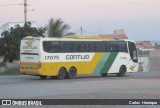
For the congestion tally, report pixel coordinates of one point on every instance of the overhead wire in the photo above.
(129, 2)
(92, 6)
(139, 3)
(12, 4)
(86, 32)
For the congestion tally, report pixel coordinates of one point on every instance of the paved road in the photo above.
(144, 85)
(133, 85)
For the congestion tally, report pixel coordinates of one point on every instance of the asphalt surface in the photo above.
(140, 85)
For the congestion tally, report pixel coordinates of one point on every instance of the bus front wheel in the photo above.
(61, 73)
(104, 74)
(72, 73)
(122, 71)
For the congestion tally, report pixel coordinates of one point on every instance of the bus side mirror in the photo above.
(134, 55)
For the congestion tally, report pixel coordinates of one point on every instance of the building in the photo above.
(146, 45)
(8, 25)
(157, 46)
(119, 34)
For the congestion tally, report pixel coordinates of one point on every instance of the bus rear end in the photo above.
(30, 63)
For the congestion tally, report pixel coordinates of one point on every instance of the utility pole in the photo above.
(25, 11)
(99, 31)
(81, 31)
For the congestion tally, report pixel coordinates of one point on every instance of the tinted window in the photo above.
(133, 51)
(108, 46)
(51, 46)
(78, 46)
(112, 46)
(85, 46)
(101, 46)
(122, 46)
(90, 46)
(66, 46)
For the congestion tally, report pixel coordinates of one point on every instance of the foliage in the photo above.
(11, 71)
(70, 34)
(57, 28)
(10, 42)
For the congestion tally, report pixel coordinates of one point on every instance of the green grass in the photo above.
(12, 71)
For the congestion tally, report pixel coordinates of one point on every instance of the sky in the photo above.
(139, 18)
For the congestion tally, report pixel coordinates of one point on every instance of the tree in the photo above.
(10, 42)
(70, 34)
(57, 28)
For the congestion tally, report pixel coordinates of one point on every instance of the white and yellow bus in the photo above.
(70, 56)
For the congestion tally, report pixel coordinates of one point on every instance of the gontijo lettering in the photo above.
(71, 57)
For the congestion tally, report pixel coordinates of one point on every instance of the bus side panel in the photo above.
(83, 67)
(125, 60)
(105, 62)
(121, 59)
(92, 65)
(52, 68)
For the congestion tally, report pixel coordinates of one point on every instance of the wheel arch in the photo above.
(63, 68)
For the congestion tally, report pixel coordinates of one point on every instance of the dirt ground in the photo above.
(155, 60)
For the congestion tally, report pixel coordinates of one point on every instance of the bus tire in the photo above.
(122, 71)
(53, 77)
(61, 73)
(104, 74)
(43, 77)
(71, 73)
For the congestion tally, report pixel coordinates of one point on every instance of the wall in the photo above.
(155, 60)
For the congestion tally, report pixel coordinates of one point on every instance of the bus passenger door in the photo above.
(143, 60)
(133, 59)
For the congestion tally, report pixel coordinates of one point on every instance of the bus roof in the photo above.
(79, 38)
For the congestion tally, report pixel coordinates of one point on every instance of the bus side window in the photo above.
(122, 46)
(113, 46)
(66, 46)
(45, 46)
(51, 46)
(78, 46)
(108, 47)
(101, 46)
(89, 46)
(54, 47)
(81, 47)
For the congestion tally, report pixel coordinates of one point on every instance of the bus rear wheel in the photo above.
(122, 71)
(72, 73)
(61, 73)
(43, 77)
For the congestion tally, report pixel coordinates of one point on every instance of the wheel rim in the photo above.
(122, 70)
(72, 73)
(61, 74)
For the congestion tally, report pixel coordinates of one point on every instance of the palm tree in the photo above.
(57, 28)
